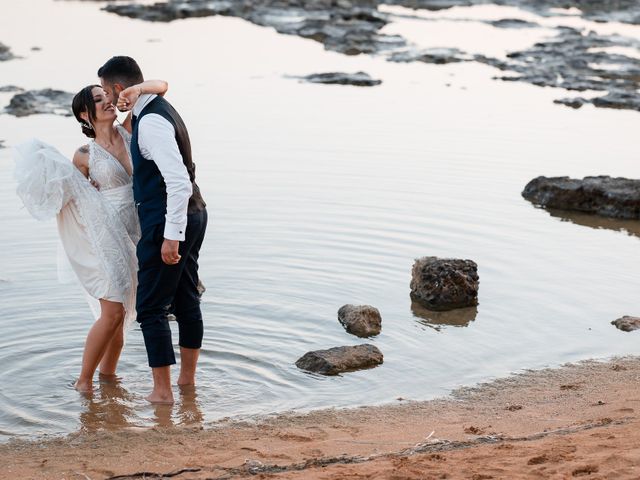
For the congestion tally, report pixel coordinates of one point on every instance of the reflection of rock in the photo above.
(444, 283)
(341, 359)
(359, 79)
(430, 55)
(632, 227)
(40, 101)
(607, 196)
(460, 317)
(360, 320)
(627, 324)
(574, 61)
(5, 53)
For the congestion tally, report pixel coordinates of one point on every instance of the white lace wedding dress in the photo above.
(99, 229)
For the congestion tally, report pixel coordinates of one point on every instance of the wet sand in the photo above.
(577, 421)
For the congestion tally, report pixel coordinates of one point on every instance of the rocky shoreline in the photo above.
(352, 27)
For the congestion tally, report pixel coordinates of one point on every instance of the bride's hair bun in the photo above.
(83, 102)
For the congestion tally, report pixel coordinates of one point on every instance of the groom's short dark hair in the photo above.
(121, 69)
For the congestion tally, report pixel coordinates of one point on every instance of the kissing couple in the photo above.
(131, 220)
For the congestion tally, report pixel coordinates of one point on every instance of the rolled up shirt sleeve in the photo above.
(157, 142)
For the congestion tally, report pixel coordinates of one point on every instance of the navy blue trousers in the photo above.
(164, 289)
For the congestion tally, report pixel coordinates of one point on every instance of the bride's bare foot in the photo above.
(160, 398)
(83, 386)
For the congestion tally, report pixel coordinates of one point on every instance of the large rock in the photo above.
(341, 359)
(360, 320)
(627, 324)
(40, 101)
(606, 196)
(358, 79)
(444, 283)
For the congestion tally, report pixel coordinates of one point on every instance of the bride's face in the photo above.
(105, 111)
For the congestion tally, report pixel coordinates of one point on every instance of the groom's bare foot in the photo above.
(160, 398)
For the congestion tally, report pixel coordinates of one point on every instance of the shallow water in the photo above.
(320, 196)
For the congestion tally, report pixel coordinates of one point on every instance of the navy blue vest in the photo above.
(149, 190)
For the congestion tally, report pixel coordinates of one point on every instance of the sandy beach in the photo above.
(580, 420)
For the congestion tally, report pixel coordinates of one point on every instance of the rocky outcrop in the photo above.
(438, 56)
(10, 89)
(340, 359)
(445, 283)
(360, 320)
(627, 324)
(35, 102)
(603, 195)
(358, 79)
(574, 61)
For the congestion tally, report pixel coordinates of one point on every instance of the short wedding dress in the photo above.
(98, 228)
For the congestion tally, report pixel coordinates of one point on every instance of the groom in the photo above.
(173, 220)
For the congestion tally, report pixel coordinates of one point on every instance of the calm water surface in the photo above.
(320, 196)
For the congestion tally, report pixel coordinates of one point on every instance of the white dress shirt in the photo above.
(157, 143)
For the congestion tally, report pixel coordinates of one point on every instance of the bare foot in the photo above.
(83, 386)
(161, 399)
(185, 380)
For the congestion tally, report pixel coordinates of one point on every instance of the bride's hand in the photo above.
(128, 98)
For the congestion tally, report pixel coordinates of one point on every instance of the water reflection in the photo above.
(460, 317)
(631, 227)
(109, 407)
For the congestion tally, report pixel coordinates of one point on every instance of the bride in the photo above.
(97, 222)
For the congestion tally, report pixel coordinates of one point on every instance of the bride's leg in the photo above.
(101, 333)
(109, 361)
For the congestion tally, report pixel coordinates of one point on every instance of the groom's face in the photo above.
(113, 90)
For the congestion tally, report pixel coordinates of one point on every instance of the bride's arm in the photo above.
(129, 96)
(81, 160)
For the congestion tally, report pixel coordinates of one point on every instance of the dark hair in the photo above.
(84, 102)
(121, 69)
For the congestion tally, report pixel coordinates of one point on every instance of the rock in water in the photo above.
(341, 359)
(606, 196)
(360, 320)
(40, 101)
(358, 79)
(5, 53)
(627, 323)
(445, 283)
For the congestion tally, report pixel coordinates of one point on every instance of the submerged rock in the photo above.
(438, 56)
(5, 53)
(603, 195)
(359, 79)
(444, 283)
(627, 323)
(35, 102)
(360, 320)
(341, 359)
(512, 23)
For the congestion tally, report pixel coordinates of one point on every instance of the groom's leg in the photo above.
(187, 301)
(157, 284)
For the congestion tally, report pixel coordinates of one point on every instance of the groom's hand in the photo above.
(169, 251)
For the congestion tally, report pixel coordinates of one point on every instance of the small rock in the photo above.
(2, 145)
(5, 53)
(445, 283)
(359, 79)
(575, 103)
(35, 102)
(603, 195)
(360, 320)
(10, 89)
(438, 56)
(512, 23)
(36, 49)
(341, 359)
(627, 323)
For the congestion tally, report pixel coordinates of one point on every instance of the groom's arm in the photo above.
(157, 142)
